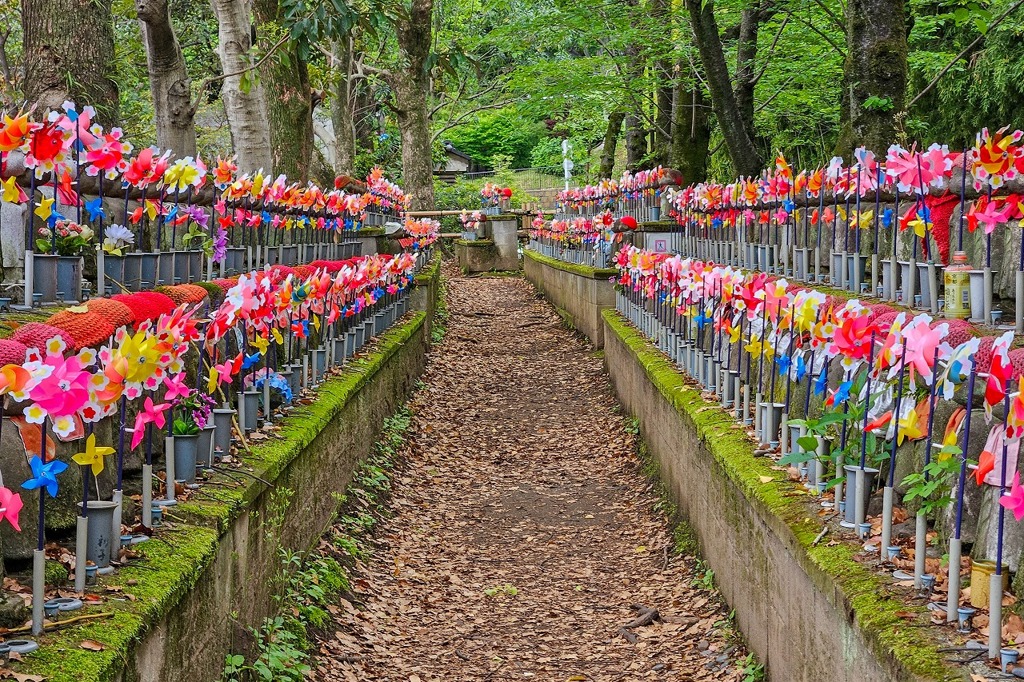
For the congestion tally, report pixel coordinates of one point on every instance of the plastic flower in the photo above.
(93, 456)
(44, 475)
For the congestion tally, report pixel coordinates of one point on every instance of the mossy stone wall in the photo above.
(208, 579)
(579, 292)
(810, 612)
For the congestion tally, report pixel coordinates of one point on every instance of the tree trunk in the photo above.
(246, 111)
(691, 132)
(636, 142)
(290, 110)
(746, 54)
(739, 139)
(410, 83)
(611, 139)
(168, 79)
(68, 52)
(343, 109)
(876, 67)
(661, 137)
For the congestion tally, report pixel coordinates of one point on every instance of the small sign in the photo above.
(660, 245)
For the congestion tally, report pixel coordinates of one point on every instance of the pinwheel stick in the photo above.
(953, 598)
(995, 590)
(921, 530)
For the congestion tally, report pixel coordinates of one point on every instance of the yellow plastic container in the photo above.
(957, 280)
(981, 574)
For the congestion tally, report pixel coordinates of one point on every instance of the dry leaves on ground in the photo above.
(524, 544)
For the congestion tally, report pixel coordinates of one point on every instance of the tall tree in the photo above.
(69, 55)
(169, 84)
(611, 138)
(245, 101)
(410, 83)
(343, 105)
(737, 131)
(661, 134)
(874, 75)
(691, 130)
(290, 110)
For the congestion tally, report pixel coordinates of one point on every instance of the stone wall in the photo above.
(579, 292)
(808, 611)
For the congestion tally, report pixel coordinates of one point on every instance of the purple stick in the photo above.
(963, 456)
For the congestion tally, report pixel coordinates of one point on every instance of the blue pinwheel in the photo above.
(801, 368)
(251, 360)
(820, 383)
(784, 363)
(44, 475)
(701, 319)
(95, 208)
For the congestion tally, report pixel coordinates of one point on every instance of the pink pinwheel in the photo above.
(176, 387)
(10, 507)
(908, 169)
(1014, 500)
(62, 388)
(989, 214)
(151, 414)
(920, 342)
(853, 336)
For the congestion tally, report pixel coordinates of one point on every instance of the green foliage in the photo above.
(499, 133)
(934, 486)
(752, 670)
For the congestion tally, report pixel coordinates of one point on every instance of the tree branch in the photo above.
(452, 122)
(964, 51)
(825, 36)
(771, 51)
(835, 19)
(213, 79)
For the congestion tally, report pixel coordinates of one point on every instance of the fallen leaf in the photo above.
(91, 645)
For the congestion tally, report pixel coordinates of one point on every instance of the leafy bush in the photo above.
(504, 132)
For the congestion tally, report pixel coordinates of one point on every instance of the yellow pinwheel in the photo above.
(11, 193)
(93, 456)
(758, 348)
(261, 343)
(44, 209)
(278, 339)
(909, 428)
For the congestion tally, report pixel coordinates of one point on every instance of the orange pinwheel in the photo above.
(14, 132)
(13, 378)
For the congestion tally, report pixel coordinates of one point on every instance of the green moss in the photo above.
(55, 575)
(659, 226)
(581, 270)
(169, 568)
(874, 610)
(370, 232)
(298, 430)
(475, 244)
